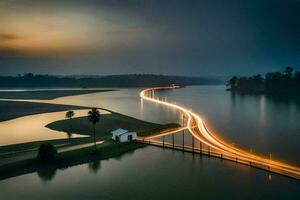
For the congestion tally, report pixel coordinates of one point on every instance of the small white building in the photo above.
(122, 135)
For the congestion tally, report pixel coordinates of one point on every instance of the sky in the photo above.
(173, 37)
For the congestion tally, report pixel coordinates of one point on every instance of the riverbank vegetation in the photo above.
(14, 149)
(74, 151)
(107, 149)
(285, 83)
(126, 80)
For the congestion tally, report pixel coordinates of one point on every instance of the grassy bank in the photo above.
(45, 94)
(33, 146)
(108, 123)
(106, 150)
(81, 125)
(13, 109)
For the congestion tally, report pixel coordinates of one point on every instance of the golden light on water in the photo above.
(29, 128)
(200, 132)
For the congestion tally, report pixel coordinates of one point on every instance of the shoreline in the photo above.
(14, 163)
(49, 94)
(18, 109)
(108, 149)
(21, 107)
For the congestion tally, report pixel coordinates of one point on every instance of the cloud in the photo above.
(117, 36)
(71, 30)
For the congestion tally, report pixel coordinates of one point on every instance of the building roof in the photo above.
(119, 131)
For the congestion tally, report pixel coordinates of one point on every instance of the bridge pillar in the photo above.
(183, 140)
(163, 141)
(200, 147)
(173, 140)
(193, 144)
(183, 132)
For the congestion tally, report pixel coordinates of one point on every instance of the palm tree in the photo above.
(94, 117)
(70, 114)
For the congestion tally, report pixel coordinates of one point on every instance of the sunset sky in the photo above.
(199, 38)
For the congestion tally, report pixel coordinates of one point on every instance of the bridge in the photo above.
(215, 146)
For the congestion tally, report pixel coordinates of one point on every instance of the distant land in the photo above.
(283, 84)
(129, 80)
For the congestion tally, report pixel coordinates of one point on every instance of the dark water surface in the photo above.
(152, 173)
(256, 123)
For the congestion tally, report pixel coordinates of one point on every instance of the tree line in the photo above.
(129, 80)
(286, 82)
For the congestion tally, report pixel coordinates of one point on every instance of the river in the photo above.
(256, 123)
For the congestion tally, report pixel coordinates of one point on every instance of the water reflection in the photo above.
(32, 128)
(125, 101)
(46, 174)
(94, 166)
(260, 123)
(165, 173)
(262, 105)
(235, 118)
(69, 134)
(255, 122)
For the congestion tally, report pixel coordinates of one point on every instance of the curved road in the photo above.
(197, 128)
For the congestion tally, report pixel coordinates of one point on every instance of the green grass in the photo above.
(109, 123)
(81, 125)
(45, 94)
(29, 146)
(106, 150)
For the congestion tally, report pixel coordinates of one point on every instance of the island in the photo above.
(74, 151)
(284, 83)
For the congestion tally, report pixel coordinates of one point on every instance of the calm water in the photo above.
(152, 173)
(251, 122)
(32, 128)
(255, 123)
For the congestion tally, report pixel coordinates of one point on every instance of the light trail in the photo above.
(164, 133)
(197, 128)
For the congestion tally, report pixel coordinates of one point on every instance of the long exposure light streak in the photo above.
(197, 128)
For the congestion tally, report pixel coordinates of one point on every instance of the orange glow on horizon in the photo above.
(56, 30)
